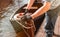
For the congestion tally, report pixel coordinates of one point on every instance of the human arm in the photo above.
(41, 10)
(46, 6)
(30, 3)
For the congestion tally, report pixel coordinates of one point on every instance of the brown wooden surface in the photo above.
(20, 34)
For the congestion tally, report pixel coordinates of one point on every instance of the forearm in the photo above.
(41, 10)
(30, 3)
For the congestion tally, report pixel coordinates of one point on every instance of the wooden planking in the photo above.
(41, 32)
(57, 26)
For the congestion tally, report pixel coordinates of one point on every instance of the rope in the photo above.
(25, 28)
(23, 25)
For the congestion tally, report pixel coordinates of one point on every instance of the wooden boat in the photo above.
(22, 9)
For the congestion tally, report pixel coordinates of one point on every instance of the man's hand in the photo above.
(26, 18)
(26, 15)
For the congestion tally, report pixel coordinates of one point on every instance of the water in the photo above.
(6, 28)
